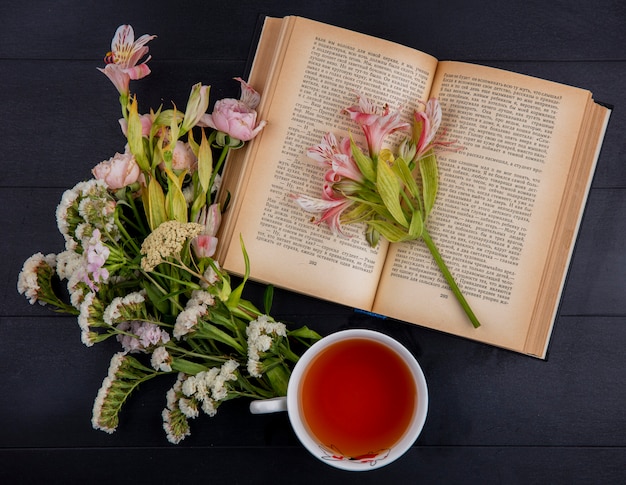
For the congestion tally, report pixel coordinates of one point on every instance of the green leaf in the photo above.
(390, 232)
(235, 296)
(304, 333)
(402, 170)
(279, 379)
(209, 331)
(175, 203)
(268, 298)
(205, 163)
(188, 367)
(430, 180)
(417, 225)
(389, 190)
(154, 202)
(365, 163)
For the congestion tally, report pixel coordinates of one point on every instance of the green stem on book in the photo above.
(449, 278)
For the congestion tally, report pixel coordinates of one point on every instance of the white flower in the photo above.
(123, 308)
(196, 308)
(27, 282)
(188, 407)
(116, 361)
(161, 360)
(67, 263)
(261, 333)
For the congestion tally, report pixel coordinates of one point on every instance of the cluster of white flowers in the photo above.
(83, 208)
(260, 334)
(208, 388)
(124, 308)
(114, 366)
(27, 282)
(196, 308)
(175, 423)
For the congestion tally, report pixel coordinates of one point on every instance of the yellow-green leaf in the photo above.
(430, 180)
(389, 189)
(417, 225)
(401, 168)
(205, 163)
(389, 231)
(156, 204)
(175, 203)
(365, 163)
(135, 137)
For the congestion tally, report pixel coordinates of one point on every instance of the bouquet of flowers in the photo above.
(393, 194)
(138, 267)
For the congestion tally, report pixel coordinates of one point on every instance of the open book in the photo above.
(508, 208)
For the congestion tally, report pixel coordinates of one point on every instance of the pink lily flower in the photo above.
(123, 58)
(338, 157)
(329, 208)
(375, 122)
(429, 121)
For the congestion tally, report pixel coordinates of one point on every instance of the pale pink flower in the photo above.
(97, 254)
(236, 118)
(119, 171)
(183, 157)
(329, 208)
(376, 122)
(205, 244)
(123, 58)
(429, 121)
(338, 157)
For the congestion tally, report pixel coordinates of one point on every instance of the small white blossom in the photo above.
(67, 263)
(161, 360)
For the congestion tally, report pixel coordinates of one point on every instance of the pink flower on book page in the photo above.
(338, 157)
(329, 208)
(425, 129)
(376, 122)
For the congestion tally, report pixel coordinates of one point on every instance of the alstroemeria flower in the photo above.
(123, 58)
(376, 122)
(205, 244)
(236, 117)
(425, 129)
(428, 122)
(329, 208)
(196, 106)
(337, 156)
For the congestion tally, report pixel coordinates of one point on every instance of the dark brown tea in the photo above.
(358, 397)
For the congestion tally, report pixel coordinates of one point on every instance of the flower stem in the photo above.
(449, 278)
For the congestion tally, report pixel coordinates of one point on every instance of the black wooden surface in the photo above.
(495, 416)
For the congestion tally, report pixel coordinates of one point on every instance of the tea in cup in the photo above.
(357, 399)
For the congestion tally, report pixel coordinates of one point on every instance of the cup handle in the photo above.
(273, 405)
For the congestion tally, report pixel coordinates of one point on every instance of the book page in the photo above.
(314, 75)
(498, 205)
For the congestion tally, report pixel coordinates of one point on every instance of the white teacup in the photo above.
(357, 400)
